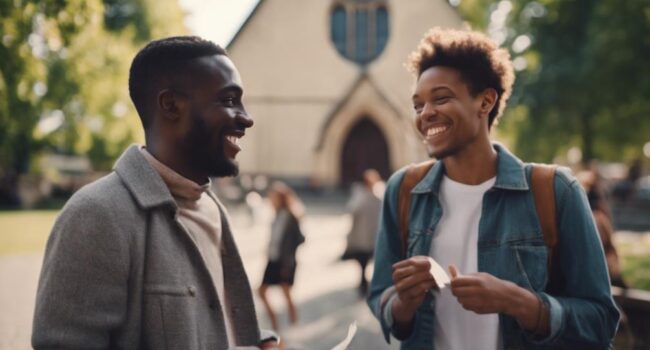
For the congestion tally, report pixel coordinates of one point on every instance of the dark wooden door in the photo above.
(365, 147)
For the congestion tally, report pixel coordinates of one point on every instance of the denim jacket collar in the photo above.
(511, 174)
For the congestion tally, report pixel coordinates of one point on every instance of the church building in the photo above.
(326, 83)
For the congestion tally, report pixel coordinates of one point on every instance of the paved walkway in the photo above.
(18, 279)
(325, 289)
(324, 292)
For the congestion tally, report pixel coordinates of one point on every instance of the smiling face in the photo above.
(447, 115)
(216, 118)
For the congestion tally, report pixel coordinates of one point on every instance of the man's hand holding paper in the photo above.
(413, 278)
(480, 292)
(483, 293)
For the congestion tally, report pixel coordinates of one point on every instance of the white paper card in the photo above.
(345, 344)
(439, 274)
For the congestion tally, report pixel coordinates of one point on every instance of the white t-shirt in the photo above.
(456, 242)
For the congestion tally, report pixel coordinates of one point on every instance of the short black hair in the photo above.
(162, 59)
(480, 61)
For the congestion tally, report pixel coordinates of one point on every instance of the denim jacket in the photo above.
(510, 247)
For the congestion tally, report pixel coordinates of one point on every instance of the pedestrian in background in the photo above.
(600, 210)
(626, 188)
(365, 207)
(286, 236)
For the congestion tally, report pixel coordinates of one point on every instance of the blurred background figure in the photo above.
(254, 204)
(286, 236)
(625, 189)
(365, 206)
(590, 181)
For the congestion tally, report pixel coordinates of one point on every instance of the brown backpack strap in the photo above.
(413, 175)
(542, 182)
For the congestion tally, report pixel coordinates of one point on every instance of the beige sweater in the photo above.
(199, 214)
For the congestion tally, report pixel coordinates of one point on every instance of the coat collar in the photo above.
(149, 190)
(142, 180)
(511, 173)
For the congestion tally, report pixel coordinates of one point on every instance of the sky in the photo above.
(216, 20)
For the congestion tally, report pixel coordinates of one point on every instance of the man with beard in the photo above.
(474, 211)
(144, 257)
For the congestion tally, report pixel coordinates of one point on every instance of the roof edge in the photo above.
(244, 24)
(363, 76)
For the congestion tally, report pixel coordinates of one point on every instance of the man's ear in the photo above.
(171, 104)
(488, 101)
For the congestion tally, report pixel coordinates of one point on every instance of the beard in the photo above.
(206, 151)
(218, 165)
(440, 153)
(449, 150)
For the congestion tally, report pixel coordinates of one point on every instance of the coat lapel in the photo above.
(242, 308)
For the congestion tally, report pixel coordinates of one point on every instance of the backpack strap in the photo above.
(413, 175)
(542, 185)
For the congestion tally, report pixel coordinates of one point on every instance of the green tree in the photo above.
(23, 72)
(63, 87)
(584, 80)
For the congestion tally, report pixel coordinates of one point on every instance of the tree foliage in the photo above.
(584, 79)
(63, 77)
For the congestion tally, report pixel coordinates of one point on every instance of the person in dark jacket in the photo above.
(286, 236)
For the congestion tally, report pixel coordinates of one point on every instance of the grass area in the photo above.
(634, 250)
(637, 271)
(25, 231)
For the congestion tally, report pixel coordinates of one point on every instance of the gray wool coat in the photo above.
(120, 272)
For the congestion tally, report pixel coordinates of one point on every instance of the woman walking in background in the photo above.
(286, 236)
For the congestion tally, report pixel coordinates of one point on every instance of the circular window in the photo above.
(359, 29)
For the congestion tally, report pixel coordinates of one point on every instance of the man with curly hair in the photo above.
(474, 212)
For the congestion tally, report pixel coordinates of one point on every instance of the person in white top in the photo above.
(455, 242)
(474, 212)
(454, 113)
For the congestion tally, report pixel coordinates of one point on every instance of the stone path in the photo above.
(324, 291)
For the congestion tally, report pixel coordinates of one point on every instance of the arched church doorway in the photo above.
(365, 147)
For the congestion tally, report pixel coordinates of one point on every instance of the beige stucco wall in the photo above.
(294, 78)
(285, 51)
